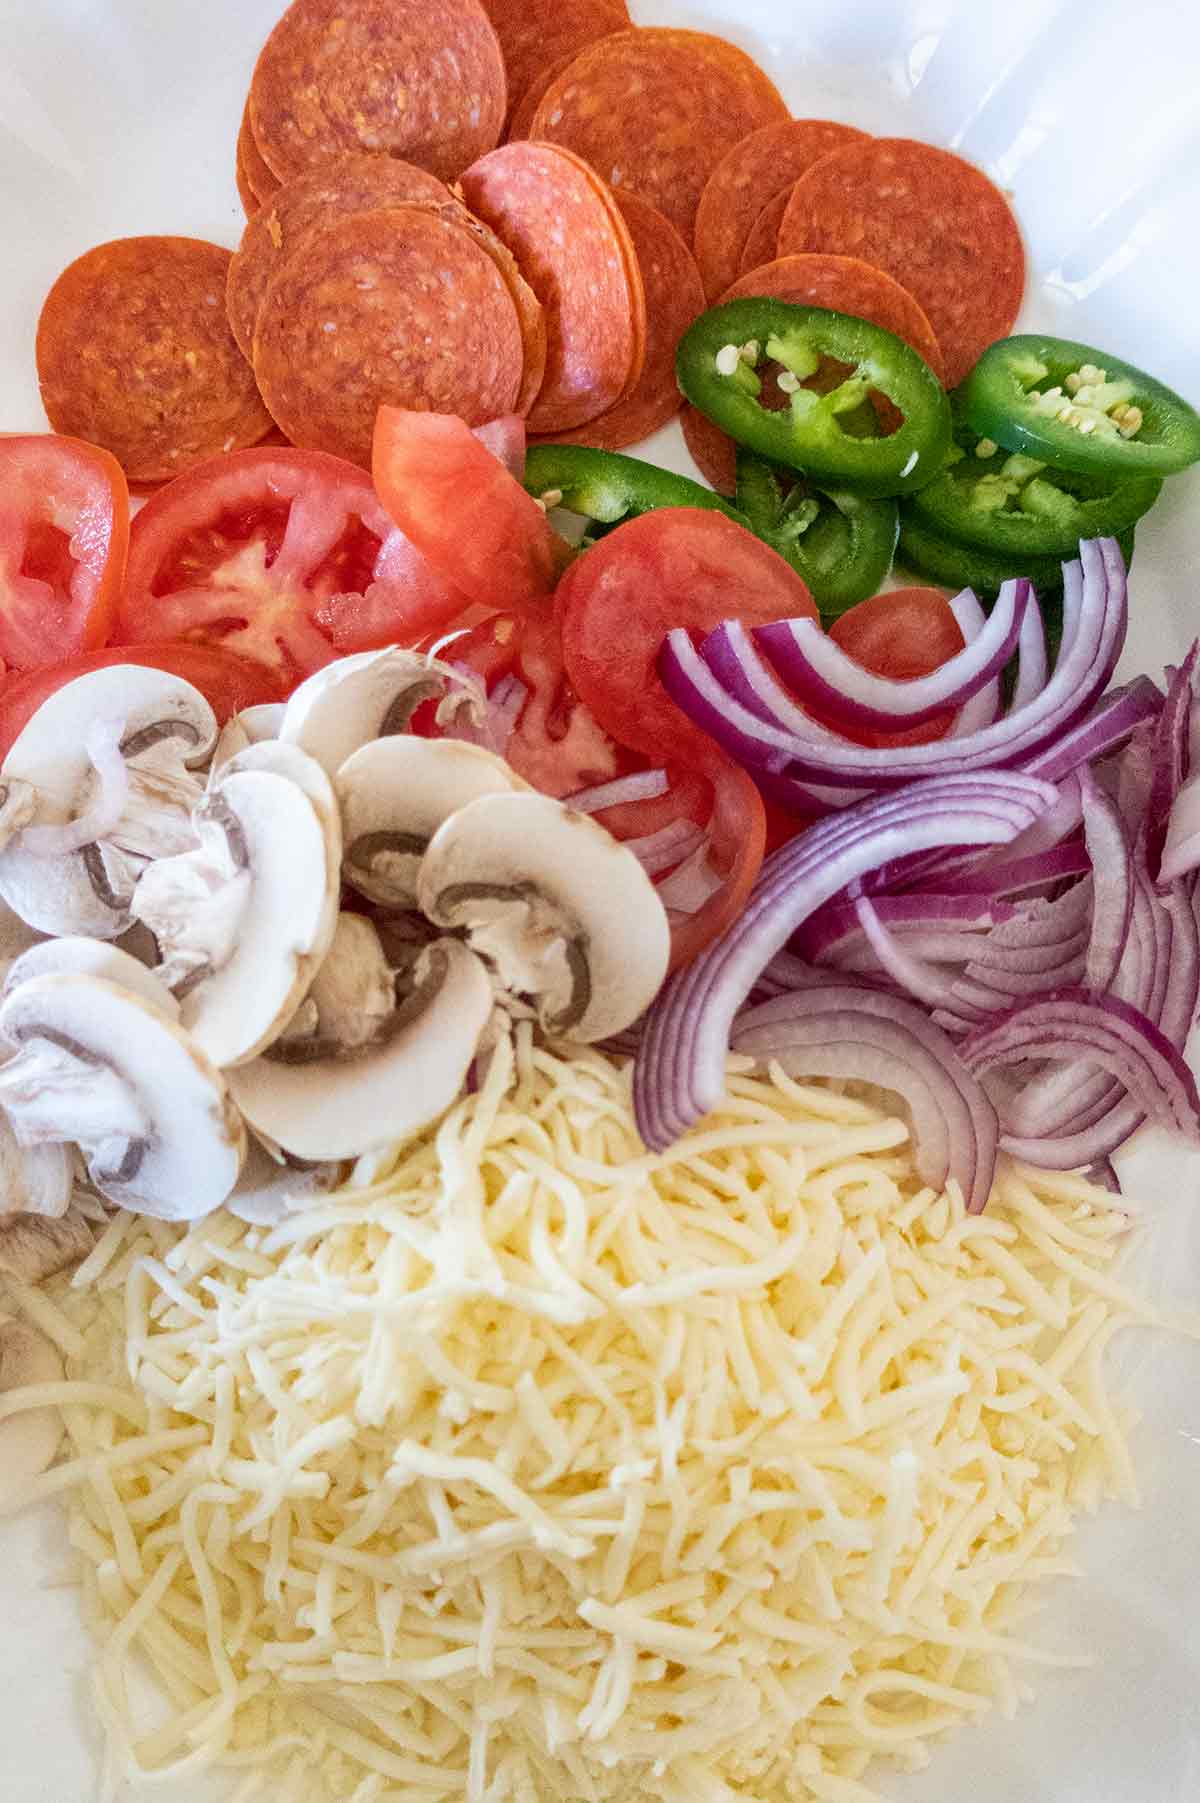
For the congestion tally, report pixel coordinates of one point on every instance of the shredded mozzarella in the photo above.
(539, 1468)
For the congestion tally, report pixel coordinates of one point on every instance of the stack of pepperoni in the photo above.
(398, 251)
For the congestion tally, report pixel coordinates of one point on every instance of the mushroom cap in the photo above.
(335, 1108)
(367, 696)
(250, 727)
(82, 957)
(274, 808)
(30, 1439)
(184, 1158)
(395, 793)
(76, 892)
(564, 910)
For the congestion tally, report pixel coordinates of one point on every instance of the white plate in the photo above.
(120, 118)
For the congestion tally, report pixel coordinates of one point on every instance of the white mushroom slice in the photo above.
(81, 957)
(266, 1194)
(109, 758)
(250, 727)
(29, 1437)
(97, 1065)
(368, 696)
(566, 913)
(32, 1247)
(34, 1180)
(319, 1099)
(244, 921)
(394, 794)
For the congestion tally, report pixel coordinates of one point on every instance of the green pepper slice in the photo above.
(841, 543)
(955, 565)
(1017, 506)
(718, 363)
(606, 487)
(1079, 409)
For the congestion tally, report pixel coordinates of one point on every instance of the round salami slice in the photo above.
(674, 297)
(246, 194)
(535, 33)
(134, 353)
(399, 305)
(763, 238)
(753, 172)
(655, 110)
(252, 170)
(713, 451)
(522, 116)
(352, 184)
(573, 248)
(419, 79)
(844, 285)
(933, 222)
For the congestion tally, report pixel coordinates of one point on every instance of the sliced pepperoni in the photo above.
(674, 297)
(845, 285)
(399, 305)
(522, 116)
(352, 184)
(574, 249)
(929, 219)
(756, 170)
(531, 316)
(536, 33)
(134, 353)
(252, 170)
(763, 237)
(655, 111)
(713, 451)
(419, 79)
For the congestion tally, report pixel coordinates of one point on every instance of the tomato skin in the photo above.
(64, 541)
(901, 635)
(229, 683)
(280, 554)
(464, 511)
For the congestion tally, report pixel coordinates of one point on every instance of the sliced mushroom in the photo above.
(265, 1193)
(34, 1180)
(33, 1248)
(109, 758)
(394, 794)
(250, 727)
(81, 957)
(349, 1079)
(30, 1438)
(97, 1065)
(244, 921)
(566, 913)
(368, 696)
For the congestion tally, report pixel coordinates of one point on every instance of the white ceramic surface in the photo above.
(120, 117)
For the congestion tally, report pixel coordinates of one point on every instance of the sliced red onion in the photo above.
(1107, 1032)
(1044, 869)
(824, 677)
(1112, 883)
(660, 851)
(1181, 844)
(1170, 757)
(703, 685)
(1043, 946)
(644, 785)
(1032, 666)
(836, 1029)
(495, 715)
(910, 972)
(1112, 721)
(690, 884)
(680, 1072)
(957, 919)
(982, 708)
(102, 814)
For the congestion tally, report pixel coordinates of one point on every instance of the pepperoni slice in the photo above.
(398, 305)
(252, 170)
(419, 79)
(246, 194)
(762, 165)
(536, 33)
(655, 111)
(134, 353)
(933, 222)
(574, 249)
(763, 237)
(521, 119)
(352, 184)
(674, 297)
(712, 450)
(845, 285)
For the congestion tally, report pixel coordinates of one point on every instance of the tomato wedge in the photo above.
(903, 634)
(228, 683)
(464, 511)
(676, 567)
(282, 555)
(64, 536)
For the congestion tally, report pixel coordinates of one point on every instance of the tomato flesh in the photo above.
(64, 537)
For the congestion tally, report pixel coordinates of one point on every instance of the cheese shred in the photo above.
(538, 1468)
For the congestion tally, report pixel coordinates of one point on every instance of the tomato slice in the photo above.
(228, 682)
(282, 555)
(904, 634)
(464, 510)
(676, 567)
(64, 537)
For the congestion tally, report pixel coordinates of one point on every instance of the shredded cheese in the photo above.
(538, 1468)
